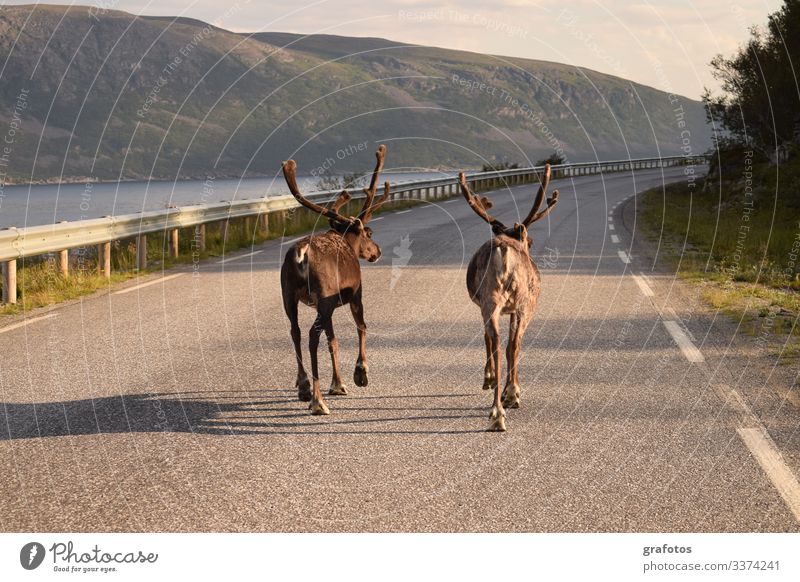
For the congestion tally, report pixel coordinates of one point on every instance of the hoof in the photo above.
(319, 408)
(338, 390)
(488, 383)
(511, 398)
(360, 376)
(497, 424)
(304, 390)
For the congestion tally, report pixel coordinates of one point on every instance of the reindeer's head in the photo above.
(520, 230)
(354, 229)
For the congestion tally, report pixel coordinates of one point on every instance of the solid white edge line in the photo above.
(27, 322)
(159, 280)
(763, 448)
(614, 239)
(647, 291)
(237, 257)
(686, 346)
(623, 256)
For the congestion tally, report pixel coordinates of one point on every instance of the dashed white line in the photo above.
(684, 343)
(763, 448)
(623, 256)
(156, 282)
(647, 291)
(610, 227)
(376, 219)
(237, 257)
(403, 211)
(27, 322)
(614, 239)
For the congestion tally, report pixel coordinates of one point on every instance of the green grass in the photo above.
(739, 248)
(39, 283)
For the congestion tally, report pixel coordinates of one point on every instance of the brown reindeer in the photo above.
(322, 271)
(503, 279)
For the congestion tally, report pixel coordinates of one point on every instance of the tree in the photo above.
(759, 104)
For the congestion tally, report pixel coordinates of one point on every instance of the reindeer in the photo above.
(322, 271)
(503, 279)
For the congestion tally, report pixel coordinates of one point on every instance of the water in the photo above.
(22, 206)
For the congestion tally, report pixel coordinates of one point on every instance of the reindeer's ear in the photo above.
(486, 203)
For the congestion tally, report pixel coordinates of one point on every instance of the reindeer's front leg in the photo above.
(511, 392)
(489, 376)
(357, 309)
(318, 406)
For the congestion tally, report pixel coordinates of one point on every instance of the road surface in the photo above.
(171, 407)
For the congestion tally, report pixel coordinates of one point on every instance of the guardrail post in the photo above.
(223, 231)
(63, 262)
(141, 252)
(263, 221)
(9, 269)
(200, 237)
(104, 259)
(173, 243)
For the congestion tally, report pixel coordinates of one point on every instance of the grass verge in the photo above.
(741, 244)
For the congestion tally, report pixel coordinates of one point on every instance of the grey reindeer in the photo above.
(502, 279)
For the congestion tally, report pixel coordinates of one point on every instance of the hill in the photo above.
(113, 95)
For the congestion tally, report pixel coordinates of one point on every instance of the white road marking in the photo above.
(450, 201)
(236, 258)
(376, 219)
(27, 322)
(763, 448)
(684, 343)
(614, 239)
(157, 281)
(623, 256)
(647, 291)
(403, 211)
(610, 227)
(757, 440)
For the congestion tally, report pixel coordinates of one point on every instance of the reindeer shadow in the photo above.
(262, 412)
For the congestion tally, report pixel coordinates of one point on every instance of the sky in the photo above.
(666, 44)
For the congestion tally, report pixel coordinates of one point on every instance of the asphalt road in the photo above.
(172, 408)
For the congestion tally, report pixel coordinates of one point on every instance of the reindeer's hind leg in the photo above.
(302, 384)
(491, 318)
(357, 309)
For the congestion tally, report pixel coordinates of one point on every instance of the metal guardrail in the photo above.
(18, 243)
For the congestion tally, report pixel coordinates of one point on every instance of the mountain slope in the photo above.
(115, 95)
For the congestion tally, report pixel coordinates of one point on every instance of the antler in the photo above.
(534, 214)
(381, 201)
(373, 184)
(343, 199)
(479, 205)
(289, 174)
